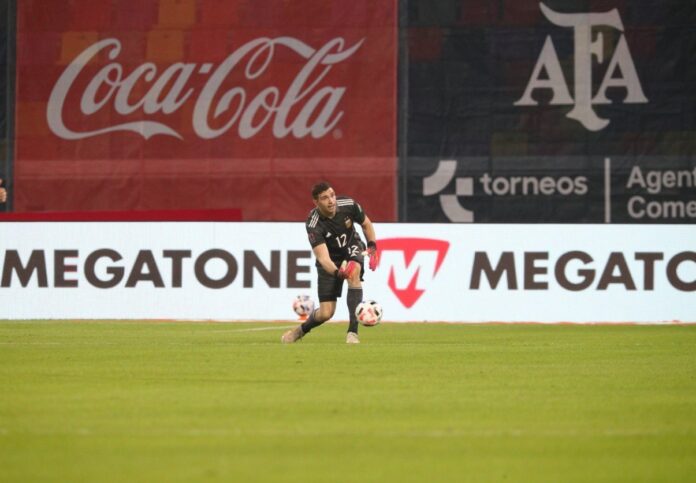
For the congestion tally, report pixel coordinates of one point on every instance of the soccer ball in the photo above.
(369, 313)
(303, 305)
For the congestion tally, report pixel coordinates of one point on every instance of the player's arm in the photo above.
(3, 193)
(369, 231)
(322, 254)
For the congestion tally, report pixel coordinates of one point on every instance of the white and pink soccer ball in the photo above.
(303, 305)
(369, 313)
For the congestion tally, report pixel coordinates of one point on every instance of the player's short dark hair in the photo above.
(319, 188)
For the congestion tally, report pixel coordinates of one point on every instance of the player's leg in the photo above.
(316, 318)
(355, 296)
(325, 311)
(329, 288)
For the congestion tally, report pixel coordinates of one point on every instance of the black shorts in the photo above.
(329, 287)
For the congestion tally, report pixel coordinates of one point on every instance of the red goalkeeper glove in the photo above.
(346, 270)
(373, 254)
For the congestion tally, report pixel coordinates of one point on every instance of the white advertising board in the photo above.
(428, 272)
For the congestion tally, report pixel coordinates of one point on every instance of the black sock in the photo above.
(311, 322)
(354, 298)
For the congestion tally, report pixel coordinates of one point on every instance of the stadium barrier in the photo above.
(428, 272)
(127, 215)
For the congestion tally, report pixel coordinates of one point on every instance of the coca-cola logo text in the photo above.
(305, 107)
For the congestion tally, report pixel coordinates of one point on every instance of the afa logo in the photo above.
(412, 264)
(621, 71)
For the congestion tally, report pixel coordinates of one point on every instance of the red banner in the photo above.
(205, 104)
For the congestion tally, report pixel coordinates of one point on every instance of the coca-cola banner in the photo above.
(205, 104)
(5, 97)
(550, 111)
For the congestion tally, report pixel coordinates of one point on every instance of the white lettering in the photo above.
(421, 267)
(585, 49)
(639, 207)
(636, 177)
(54, 109)
(548, 60)
(215, 112)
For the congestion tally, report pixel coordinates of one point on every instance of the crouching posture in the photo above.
(340, 254)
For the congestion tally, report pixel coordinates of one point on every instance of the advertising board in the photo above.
(428, 272)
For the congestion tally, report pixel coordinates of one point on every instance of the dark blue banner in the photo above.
(530, 101)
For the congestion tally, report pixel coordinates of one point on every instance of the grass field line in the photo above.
(257, 329)
(32, 343)
(101, 342)
(340, 322)
(68, 343)
(433, 434)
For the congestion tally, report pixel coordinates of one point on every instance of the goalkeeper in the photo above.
(340, 253)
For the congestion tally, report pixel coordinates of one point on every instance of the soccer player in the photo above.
(3, 193)
(340, 252)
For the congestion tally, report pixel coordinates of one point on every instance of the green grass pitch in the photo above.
(150, 402)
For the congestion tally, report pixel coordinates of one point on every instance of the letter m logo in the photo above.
(412, 264)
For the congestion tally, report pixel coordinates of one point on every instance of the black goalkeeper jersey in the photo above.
(339, 232)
